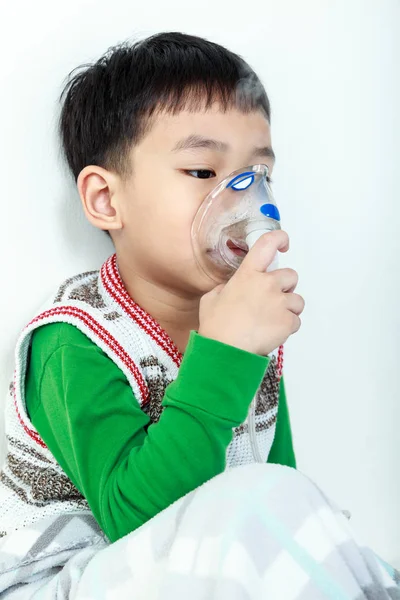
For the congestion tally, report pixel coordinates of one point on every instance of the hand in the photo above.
(255, 310)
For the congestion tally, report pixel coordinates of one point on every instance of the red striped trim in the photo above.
(113, 284)
(279, 366)
(105, 336)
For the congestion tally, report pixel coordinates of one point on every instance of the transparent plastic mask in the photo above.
(231, 219)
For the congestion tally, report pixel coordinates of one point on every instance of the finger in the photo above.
(262, 254)
(287, 279)
(295, 303)
(296, 323)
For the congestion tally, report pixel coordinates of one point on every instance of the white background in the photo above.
(331, 70)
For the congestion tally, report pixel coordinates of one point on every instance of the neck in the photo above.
(175, 312)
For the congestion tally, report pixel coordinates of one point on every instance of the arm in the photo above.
(86, 413)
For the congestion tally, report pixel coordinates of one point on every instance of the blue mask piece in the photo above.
(271, 211)
(241, 182)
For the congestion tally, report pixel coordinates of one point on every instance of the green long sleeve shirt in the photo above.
(83, 407)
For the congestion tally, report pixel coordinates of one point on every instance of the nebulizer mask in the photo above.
(231, 219)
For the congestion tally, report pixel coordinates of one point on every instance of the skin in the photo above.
(150, 213)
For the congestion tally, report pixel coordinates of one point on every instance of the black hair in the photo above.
(107, 106)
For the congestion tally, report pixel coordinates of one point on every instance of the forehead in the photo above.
(232, 127)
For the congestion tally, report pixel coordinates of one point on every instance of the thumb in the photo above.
(216, 290)
(262, 254)
(209, 296)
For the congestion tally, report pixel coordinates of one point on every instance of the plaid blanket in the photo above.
(254, 532)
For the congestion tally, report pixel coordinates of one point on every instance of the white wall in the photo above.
(331, 70)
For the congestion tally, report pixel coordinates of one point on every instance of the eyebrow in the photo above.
(193, 142)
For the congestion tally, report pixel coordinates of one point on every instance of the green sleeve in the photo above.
(83, 407)
(282, 448)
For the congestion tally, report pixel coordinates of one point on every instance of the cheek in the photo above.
(161, 218)
(175, 204)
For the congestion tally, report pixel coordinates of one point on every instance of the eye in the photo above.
(269, 180)
(201, 173)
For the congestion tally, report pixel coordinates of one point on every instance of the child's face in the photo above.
(178, 162)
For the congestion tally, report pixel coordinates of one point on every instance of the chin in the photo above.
(204, 283)
(190, 280)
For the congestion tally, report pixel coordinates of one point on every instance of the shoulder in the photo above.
(61, 349)
(50, 337)
(53, 349)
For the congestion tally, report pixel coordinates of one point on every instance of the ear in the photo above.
(97, 189)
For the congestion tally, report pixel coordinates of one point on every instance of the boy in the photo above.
(133, 385)
(126, 128)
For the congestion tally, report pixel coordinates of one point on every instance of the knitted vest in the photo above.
(34, 489)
